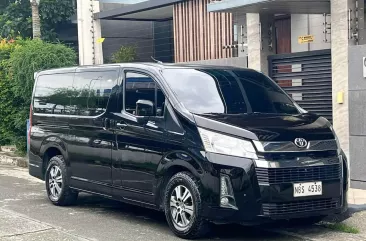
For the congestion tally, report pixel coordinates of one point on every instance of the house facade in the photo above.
(313, 49)
(167, 30)
(319, 60)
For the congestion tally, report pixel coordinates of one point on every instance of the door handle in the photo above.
(97, 141)
(121, 125)
(152, 124)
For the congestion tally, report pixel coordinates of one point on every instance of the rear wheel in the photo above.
(57, 183)
(183, 207)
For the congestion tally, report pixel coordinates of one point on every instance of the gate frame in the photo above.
(291, 55)
(272, 58)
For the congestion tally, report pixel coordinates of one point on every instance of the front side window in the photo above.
(91, 91)
(143, 97)
(228, 91)
(51, 94)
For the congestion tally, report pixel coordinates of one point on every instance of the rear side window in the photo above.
(52, 94)
(91, 91)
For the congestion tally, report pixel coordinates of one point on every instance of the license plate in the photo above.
(308, 189)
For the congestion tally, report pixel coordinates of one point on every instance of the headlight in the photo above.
(227, 145)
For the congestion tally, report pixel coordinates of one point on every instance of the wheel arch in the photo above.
(51, 147)
(172, 164)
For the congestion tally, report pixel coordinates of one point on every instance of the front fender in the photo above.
(180, 159)
(172, 163)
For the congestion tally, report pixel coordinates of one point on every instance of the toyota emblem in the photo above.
(300, 142)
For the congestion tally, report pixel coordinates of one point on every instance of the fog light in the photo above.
(224, 201)
(224, 189)
(227, 199)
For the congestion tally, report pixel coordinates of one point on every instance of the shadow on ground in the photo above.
(352, 209)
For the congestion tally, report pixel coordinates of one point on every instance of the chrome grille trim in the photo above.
(288, 146)
(274, 176)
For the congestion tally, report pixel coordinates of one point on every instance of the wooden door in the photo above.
(283, 45)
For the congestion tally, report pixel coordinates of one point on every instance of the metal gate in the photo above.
(307, 78)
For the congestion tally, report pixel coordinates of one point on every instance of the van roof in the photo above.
(137, 65)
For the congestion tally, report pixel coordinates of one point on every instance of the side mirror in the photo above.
(144, 108)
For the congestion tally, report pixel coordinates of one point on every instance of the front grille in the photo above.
(294, 155)
(289, 146)
(279, 209)
(298, 174)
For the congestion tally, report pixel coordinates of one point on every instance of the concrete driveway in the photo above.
(26, 214)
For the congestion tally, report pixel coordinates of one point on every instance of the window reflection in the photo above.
(228, 91)
(52, 94)
(84, 93)
(90, 92)
(142, 87)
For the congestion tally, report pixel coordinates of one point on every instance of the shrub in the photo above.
(124, 55)
(27, 58)
(6, 95)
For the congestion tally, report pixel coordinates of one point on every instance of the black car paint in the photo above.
(95, 155)
(271, 127)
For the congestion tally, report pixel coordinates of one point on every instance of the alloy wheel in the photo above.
(55, 183)
(181, 207)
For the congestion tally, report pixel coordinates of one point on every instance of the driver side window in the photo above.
(143, 97)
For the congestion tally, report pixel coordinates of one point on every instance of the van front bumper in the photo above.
(263, 210)
(258, 201)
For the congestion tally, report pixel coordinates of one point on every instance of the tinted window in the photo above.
(228, 91)
(52, 94)
(139, 86)
(90, 92)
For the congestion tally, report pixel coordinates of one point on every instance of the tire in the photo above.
(179, 212)
(57, 183)
(306, 221)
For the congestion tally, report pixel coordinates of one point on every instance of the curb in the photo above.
(13, 161)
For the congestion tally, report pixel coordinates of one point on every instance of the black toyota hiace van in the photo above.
(203, 144)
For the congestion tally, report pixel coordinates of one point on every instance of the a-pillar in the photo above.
(89, 32)
(261, 40)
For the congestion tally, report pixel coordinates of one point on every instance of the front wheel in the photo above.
(183, 207)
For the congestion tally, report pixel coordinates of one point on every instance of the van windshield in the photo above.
(228, 91)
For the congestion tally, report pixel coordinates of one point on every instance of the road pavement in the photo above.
(26, 214)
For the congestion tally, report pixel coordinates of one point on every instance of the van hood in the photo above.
(274, 127)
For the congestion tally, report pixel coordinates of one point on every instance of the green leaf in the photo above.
(18, 62)
(16, 17)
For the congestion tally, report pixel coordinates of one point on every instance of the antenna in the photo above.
(157, 61)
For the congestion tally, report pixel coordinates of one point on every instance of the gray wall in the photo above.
(119, 32)
(237, 62)
(304, 24)
(357, 118)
